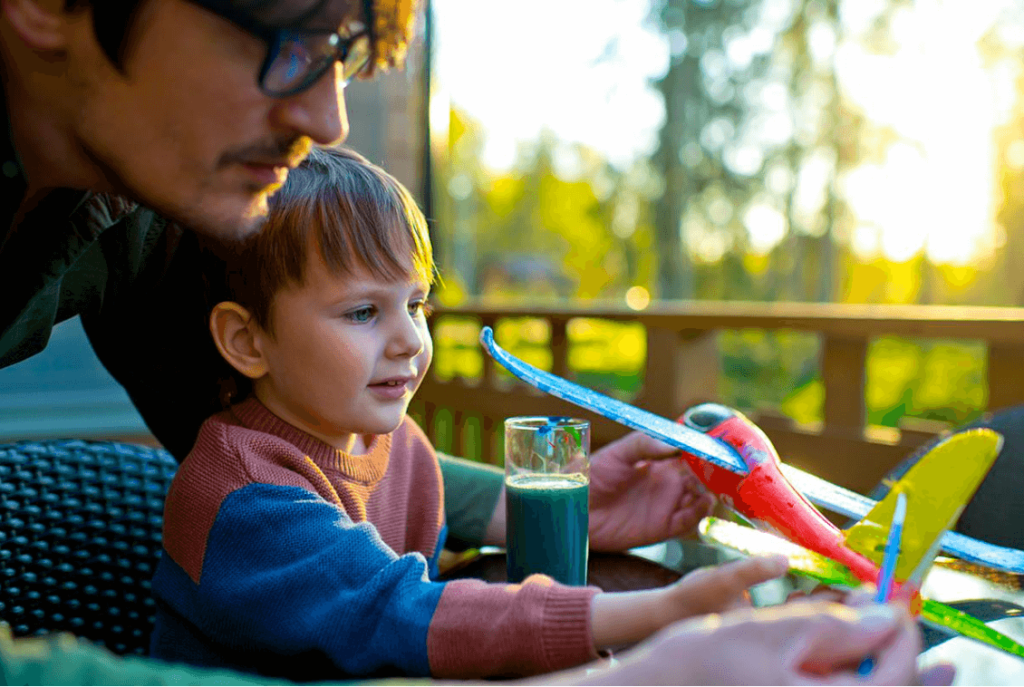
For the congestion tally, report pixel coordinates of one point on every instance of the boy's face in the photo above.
(346, 353)
(186, 129)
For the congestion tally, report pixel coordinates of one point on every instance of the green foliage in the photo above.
(763, 369)
(605, 355)
(456, 351)
(926, 379)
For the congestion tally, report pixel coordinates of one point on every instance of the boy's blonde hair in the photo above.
(351, 211)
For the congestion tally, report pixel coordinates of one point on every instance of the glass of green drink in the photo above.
(547, 485)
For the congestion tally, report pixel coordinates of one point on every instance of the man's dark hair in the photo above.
(111, 22)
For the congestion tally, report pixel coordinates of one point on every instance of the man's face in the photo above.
(346, 353)
(186, 129)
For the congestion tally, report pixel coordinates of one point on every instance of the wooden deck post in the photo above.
(843, 371)
(682, 370)
(1005, 375)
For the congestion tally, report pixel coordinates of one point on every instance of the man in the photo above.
(129, 119)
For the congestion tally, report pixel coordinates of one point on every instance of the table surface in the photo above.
(612, 572)
(977, 664)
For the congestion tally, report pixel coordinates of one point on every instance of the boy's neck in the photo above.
(352, 444)
(358, 444)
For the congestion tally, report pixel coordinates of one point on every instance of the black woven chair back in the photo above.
(80, 537)
(996, 512)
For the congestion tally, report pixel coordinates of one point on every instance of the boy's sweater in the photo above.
(285, 556)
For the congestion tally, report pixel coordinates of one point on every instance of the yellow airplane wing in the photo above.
(937, 487)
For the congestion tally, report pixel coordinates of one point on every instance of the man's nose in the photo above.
(317, 112)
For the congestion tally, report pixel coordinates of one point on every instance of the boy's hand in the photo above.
(720, 588)
(640, 494)
(628, 617)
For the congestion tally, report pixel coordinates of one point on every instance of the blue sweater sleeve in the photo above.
(287, 573)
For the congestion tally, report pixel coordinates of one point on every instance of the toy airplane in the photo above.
(932, 503)
(721, 455)
(765, 498)
(738, 463)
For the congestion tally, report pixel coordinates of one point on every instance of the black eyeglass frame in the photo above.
(274, 37)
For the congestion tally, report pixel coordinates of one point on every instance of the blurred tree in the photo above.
(744, 196)
(695, 31)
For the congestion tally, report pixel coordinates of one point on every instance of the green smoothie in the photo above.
(547, 518)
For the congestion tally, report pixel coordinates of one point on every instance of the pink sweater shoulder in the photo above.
(221, 462)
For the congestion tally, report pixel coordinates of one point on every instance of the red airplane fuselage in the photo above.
(766, 498)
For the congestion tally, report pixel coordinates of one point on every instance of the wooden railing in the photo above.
(683, 368)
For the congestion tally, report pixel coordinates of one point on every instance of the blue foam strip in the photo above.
(672, 433)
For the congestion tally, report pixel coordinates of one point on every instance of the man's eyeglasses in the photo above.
(297, 58)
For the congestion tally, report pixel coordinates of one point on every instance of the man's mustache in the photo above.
(279, 152)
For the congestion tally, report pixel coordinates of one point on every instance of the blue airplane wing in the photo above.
(672, 433)
(853, 505)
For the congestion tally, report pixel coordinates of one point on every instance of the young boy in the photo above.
(302, 533)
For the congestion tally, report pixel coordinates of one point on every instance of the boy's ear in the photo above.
(237, 337)
(41, 24)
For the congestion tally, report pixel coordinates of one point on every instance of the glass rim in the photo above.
(532, 422)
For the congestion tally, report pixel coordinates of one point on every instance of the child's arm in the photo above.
(284, 572)
(628, 617)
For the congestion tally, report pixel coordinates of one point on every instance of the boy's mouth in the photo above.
(392, 387)
(393, 381)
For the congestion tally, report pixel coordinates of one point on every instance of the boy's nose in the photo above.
(407, 340)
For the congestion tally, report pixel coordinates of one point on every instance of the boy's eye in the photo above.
(421, 308)
(360, 315)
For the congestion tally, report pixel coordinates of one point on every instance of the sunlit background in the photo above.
(637, 151)
(874, 136)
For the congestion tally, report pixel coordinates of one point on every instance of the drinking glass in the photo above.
(547, 484)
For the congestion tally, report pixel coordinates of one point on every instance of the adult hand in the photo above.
(640, 494)
(806, 643)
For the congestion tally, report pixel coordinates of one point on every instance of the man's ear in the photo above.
(237, 336)
(40, 23)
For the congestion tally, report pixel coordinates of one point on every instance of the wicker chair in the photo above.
(80, 537)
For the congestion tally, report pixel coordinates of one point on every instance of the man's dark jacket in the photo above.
(135, 280)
